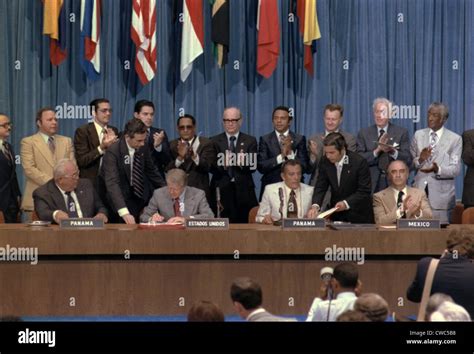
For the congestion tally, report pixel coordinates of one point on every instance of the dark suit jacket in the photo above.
(366, 146)
(468, 158)
(198, 175)
(9, 188)
(86, 142)
(244, 184)
(162, 158)
(453, 277)
(116, 175)
(269, 149)
(354, 188)
(48, 198)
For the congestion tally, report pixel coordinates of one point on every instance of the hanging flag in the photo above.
(89, 46)
(268, 44)
(192, 42)
(144, 36)
(309, 29)
(54, 25)
(220, 30)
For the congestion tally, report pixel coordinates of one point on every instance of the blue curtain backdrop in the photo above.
(413, 52)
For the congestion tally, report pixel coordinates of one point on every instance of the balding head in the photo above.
(398, 172)
(232, 120)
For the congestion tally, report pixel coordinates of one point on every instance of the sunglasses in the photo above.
(186, 127)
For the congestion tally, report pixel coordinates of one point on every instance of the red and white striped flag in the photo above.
(192, 43)
(144, 36)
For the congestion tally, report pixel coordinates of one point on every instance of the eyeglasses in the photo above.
(186, 127)
(105, 110)
(231, 120)
(8, 124)
(74, 175)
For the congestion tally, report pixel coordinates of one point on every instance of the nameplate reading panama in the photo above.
(222, 223)
(84, 223)
(418, 224)
(304, 223)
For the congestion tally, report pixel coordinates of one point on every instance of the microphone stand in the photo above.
(279, 222)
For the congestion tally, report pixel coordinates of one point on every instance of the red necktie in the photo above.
(177, 211)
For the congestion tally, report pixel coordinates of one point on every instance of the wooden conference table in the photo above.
(122, 270)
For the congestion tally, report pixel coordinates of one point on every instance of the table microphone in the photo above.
(218, 200)
(282, 197)
(326, 275)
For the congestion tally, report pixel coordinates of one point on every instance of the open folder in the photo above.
(326, 213)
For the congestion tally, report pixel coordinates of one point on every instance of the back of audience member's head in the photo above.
(373, 306)
(246, 292)
(352, 316)
(450, 312)
(205, 311)
(434, 302)
(461, 242)
(346, 275)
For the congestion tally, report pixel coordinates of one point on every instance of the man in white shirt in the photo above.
(291, 196)
(344, 286)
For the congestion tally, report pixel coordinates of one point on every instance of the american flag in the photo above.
(144, 36)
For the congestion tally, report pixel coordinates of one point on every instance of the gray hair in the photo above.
(373, 306)
(232, 107)
(434, 302)
(444, 109)
(60, 167)
(384, 101)
(177, 176)
(450, 312)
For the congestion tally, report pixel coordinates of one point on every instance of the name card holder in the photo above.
(84, 223)
(215, 224)
(418, 224)
(292, 223)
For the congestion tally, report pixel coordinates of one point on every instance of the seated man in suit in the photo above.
(347, 174)
(68, 196)
(345, 286)
(278, 146)
(176, 201)
(296, 196)
(246, 296)
(129, 174)
(398, 200)
(436, 152)
(454, 272)
(378, 156)
(333, 114)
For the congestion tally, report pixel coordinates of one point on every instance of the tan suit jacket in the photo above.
(385, 205)
(38, 162)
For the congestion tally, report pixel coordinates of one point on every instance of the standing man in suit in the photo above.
(156, 139)
(193, 154)
(176, 201)
(68, 196)
(40, 152)
(9, 190)
(91, 140)
(279, 146)
(436, 152)
(129, 174)
(232, 174)
(296, 199)
(396, 145)
(347, 174)
(468, 158)
(398, 201)
(333, 115)
(246, 296)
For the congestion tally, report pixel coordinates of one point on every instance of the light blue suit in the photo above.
(447, 155)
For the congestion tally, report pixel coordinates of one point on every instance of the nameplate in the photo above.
(84, 223)
(222, 223)
(303, 223)
(418, 224)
